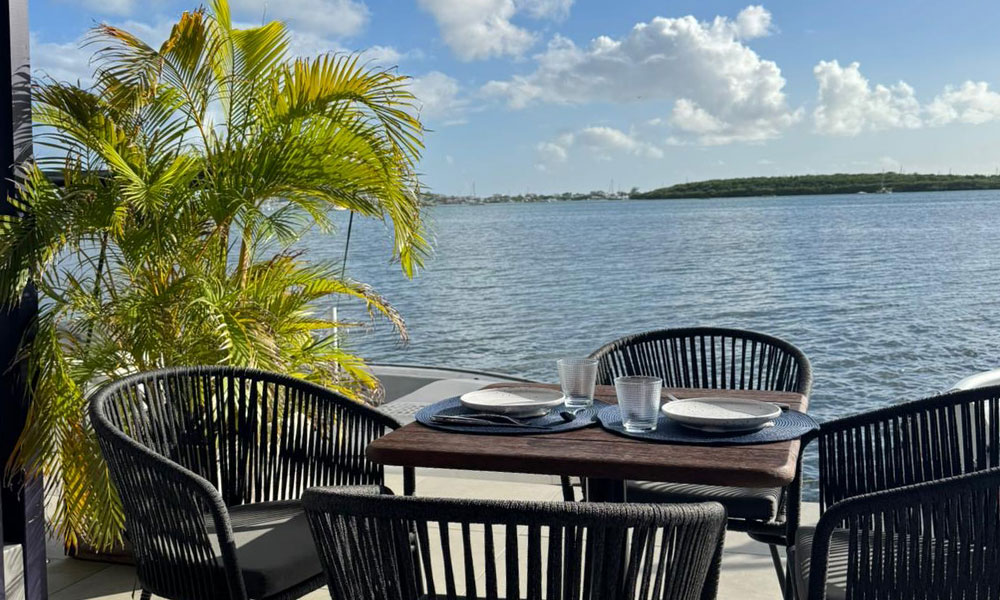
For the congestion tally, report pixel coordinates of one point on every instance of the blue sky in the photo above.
(564, 95)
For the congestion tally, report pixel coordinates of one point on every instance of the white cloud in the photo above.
(601, 141)
(972, 102)
(62, 62)
(383, 55)
(849, 105)
(551, 152)
(70, 61)
(753, 22)
(110, 7)
(438, 96)
(477, 29)
(309, 45)
(322, 17)
(690, 117)
(118, 8)
(545, 9)
(721, 90)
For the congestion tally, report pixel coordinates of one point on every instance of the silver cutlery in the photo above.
(570, 416)
(497, 417)
(493, 420)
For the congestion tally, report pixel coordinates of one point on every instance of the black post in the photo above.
(23, 507)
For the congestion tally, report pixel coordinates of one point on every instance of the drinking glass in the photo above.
(577, 377)
(639, 402)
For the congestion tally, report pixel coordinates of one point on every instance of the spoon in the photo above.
(568, 416)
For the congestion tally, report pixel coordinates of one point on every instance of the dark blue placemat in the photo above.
(552, 422)
(789, 426)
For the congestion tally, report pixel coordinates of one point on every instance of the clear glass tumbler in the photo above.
(639, 401)
(577, 377)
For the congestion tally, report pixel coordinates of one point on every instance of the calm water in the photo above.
(892, 297)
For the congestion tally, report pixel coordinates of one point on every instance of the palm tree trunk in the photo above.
(242, 267)
(101, 259)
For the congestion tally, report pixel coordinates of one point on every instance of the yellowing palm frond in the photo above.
(160, 248)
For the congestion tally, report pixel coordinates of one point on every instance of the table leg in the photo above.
(604, 490)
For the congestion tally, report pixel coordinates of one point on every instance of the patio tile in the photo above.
(64, 572)
(748, 577)
(747, 572)
(114, 582)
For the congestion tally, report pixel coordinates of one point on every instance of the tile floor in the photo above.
(747, 572)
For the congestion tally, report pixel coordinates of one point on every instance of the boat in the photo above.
(978, 380)
(882, 189)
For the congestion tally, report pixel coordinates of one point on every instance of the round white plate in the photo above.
(721, 414)
(513, 401)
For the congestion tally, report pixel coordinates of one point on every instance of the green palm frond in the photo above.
(188, 169)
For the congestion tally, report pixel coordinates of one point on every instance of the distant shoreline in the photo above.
(803, 185)
(813, 185)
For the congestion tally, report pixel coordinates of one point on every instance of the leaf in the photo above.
(185, 173)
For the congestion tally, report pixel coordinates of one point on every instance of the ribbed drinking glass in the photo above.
(577, 377)
(639, 402)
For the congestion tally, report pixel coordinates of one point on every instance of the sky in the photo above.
(549, 96)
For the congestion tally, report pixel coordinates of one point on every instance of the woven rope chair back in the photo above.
(182, 445)
(938, 534)
(916, 442)
(707, 357)
(940, 542)
(491, 549)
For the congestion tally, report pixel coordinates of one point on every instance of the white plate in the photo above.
(721, 414)
(513, 401)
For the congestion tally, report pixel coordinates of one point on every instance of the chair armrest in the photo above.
(896, 509)
(380, 418)
(180, 496)
(409, 475)
(793, 499)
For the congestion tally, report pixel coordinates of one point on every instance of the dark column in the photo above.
(23, 509)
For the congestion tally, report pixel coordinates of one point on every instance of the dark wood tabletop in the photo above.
(596, 453)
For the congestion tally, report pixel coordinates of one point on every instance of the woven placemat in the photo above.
(552, 422)
(790, 425)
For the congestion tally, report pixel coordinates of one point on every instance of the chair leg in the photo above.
(145, 595)
(409, 481)
(780, 570)
(793, 587)
(567, 489)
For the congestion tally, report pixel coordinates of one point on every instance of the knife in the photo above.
(467, 420)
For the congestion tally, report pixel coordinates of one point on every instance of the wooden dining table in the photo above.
(604, 459)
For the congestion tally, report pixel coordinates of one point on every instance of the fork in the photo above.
(484, 419)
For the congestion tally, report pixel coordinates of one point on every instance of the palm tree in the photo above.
(187, 172)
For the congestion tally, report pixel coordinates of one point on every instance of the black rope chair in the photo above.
(909, 501)
(210, 464)
(382, 547)
(714, 358)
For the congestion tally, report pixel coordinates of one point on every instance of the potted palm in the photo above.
(158, 226)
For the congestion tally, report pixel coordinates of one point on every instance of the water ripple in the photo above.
(892, 298)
